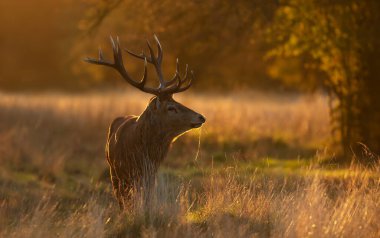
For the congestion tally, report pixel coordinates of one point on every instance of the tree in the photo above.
(219, 39)
(339, 38)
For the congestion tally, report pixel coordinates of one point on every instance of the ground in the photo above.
(258, 167)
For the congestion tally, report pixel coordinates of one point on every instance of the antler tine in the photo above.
(151, 52)
(145, 76)
(160, 53)
(185, 77)
(181, 81)
(177, 66)
(188, 85)
(118, 58)
(119, 66)
(176, 75)
(141, 56)
(99, 61)
(157, 65)
(155, 61)
(100, 54)
(177, 88)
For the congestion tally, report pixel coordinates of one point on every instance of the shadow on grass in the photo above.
(247, 149)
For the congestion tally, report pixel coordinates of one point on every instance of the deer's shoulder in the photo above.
(121, 123)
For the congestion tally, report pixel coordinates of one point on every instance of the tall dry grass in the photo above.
(224, 206)
(51, 164)
(253, 124)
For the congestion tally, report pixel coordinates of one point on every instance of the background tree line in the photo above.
(304, 45)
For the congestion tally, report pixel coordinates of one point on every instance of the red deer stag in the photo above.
(136, 145)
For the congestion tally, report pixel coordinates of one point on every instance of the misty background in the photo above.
(330, 47)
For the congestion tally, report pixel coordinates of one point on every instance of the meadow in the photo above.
(257, 168)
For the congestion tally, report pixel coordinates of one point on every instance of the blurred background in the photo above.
(293, 46)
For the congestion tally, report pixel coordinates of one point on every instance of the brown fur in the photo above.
(137, 145)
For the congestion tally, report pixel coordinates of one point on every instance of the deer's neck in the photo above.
(155, 141)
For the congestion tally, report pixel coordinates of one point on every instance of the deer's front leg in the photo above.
(117, 187)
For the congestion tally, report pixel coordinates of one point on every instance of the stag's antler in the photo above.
(165, 87)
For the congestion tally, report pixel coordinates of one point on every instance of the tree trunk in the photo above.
(357, 117)
(360, 122)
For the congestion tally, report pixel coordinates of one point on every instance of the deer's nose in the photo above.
(202, 118)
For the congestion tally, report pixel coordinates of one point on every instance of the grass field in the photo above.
(255, 169)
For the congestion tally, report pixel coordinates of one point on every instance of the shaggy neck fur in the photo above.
(154, 140)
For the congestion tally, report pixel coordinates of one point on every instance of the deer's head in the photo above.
(173, 116)
(164, 110)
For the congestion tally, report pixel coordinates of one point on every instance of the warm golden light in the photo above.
(278, 135)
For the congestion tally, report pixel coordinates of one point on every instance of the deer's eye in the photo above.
(172, 109)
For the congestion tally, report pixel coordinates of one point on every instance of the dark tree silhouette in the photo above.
(341, 39)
